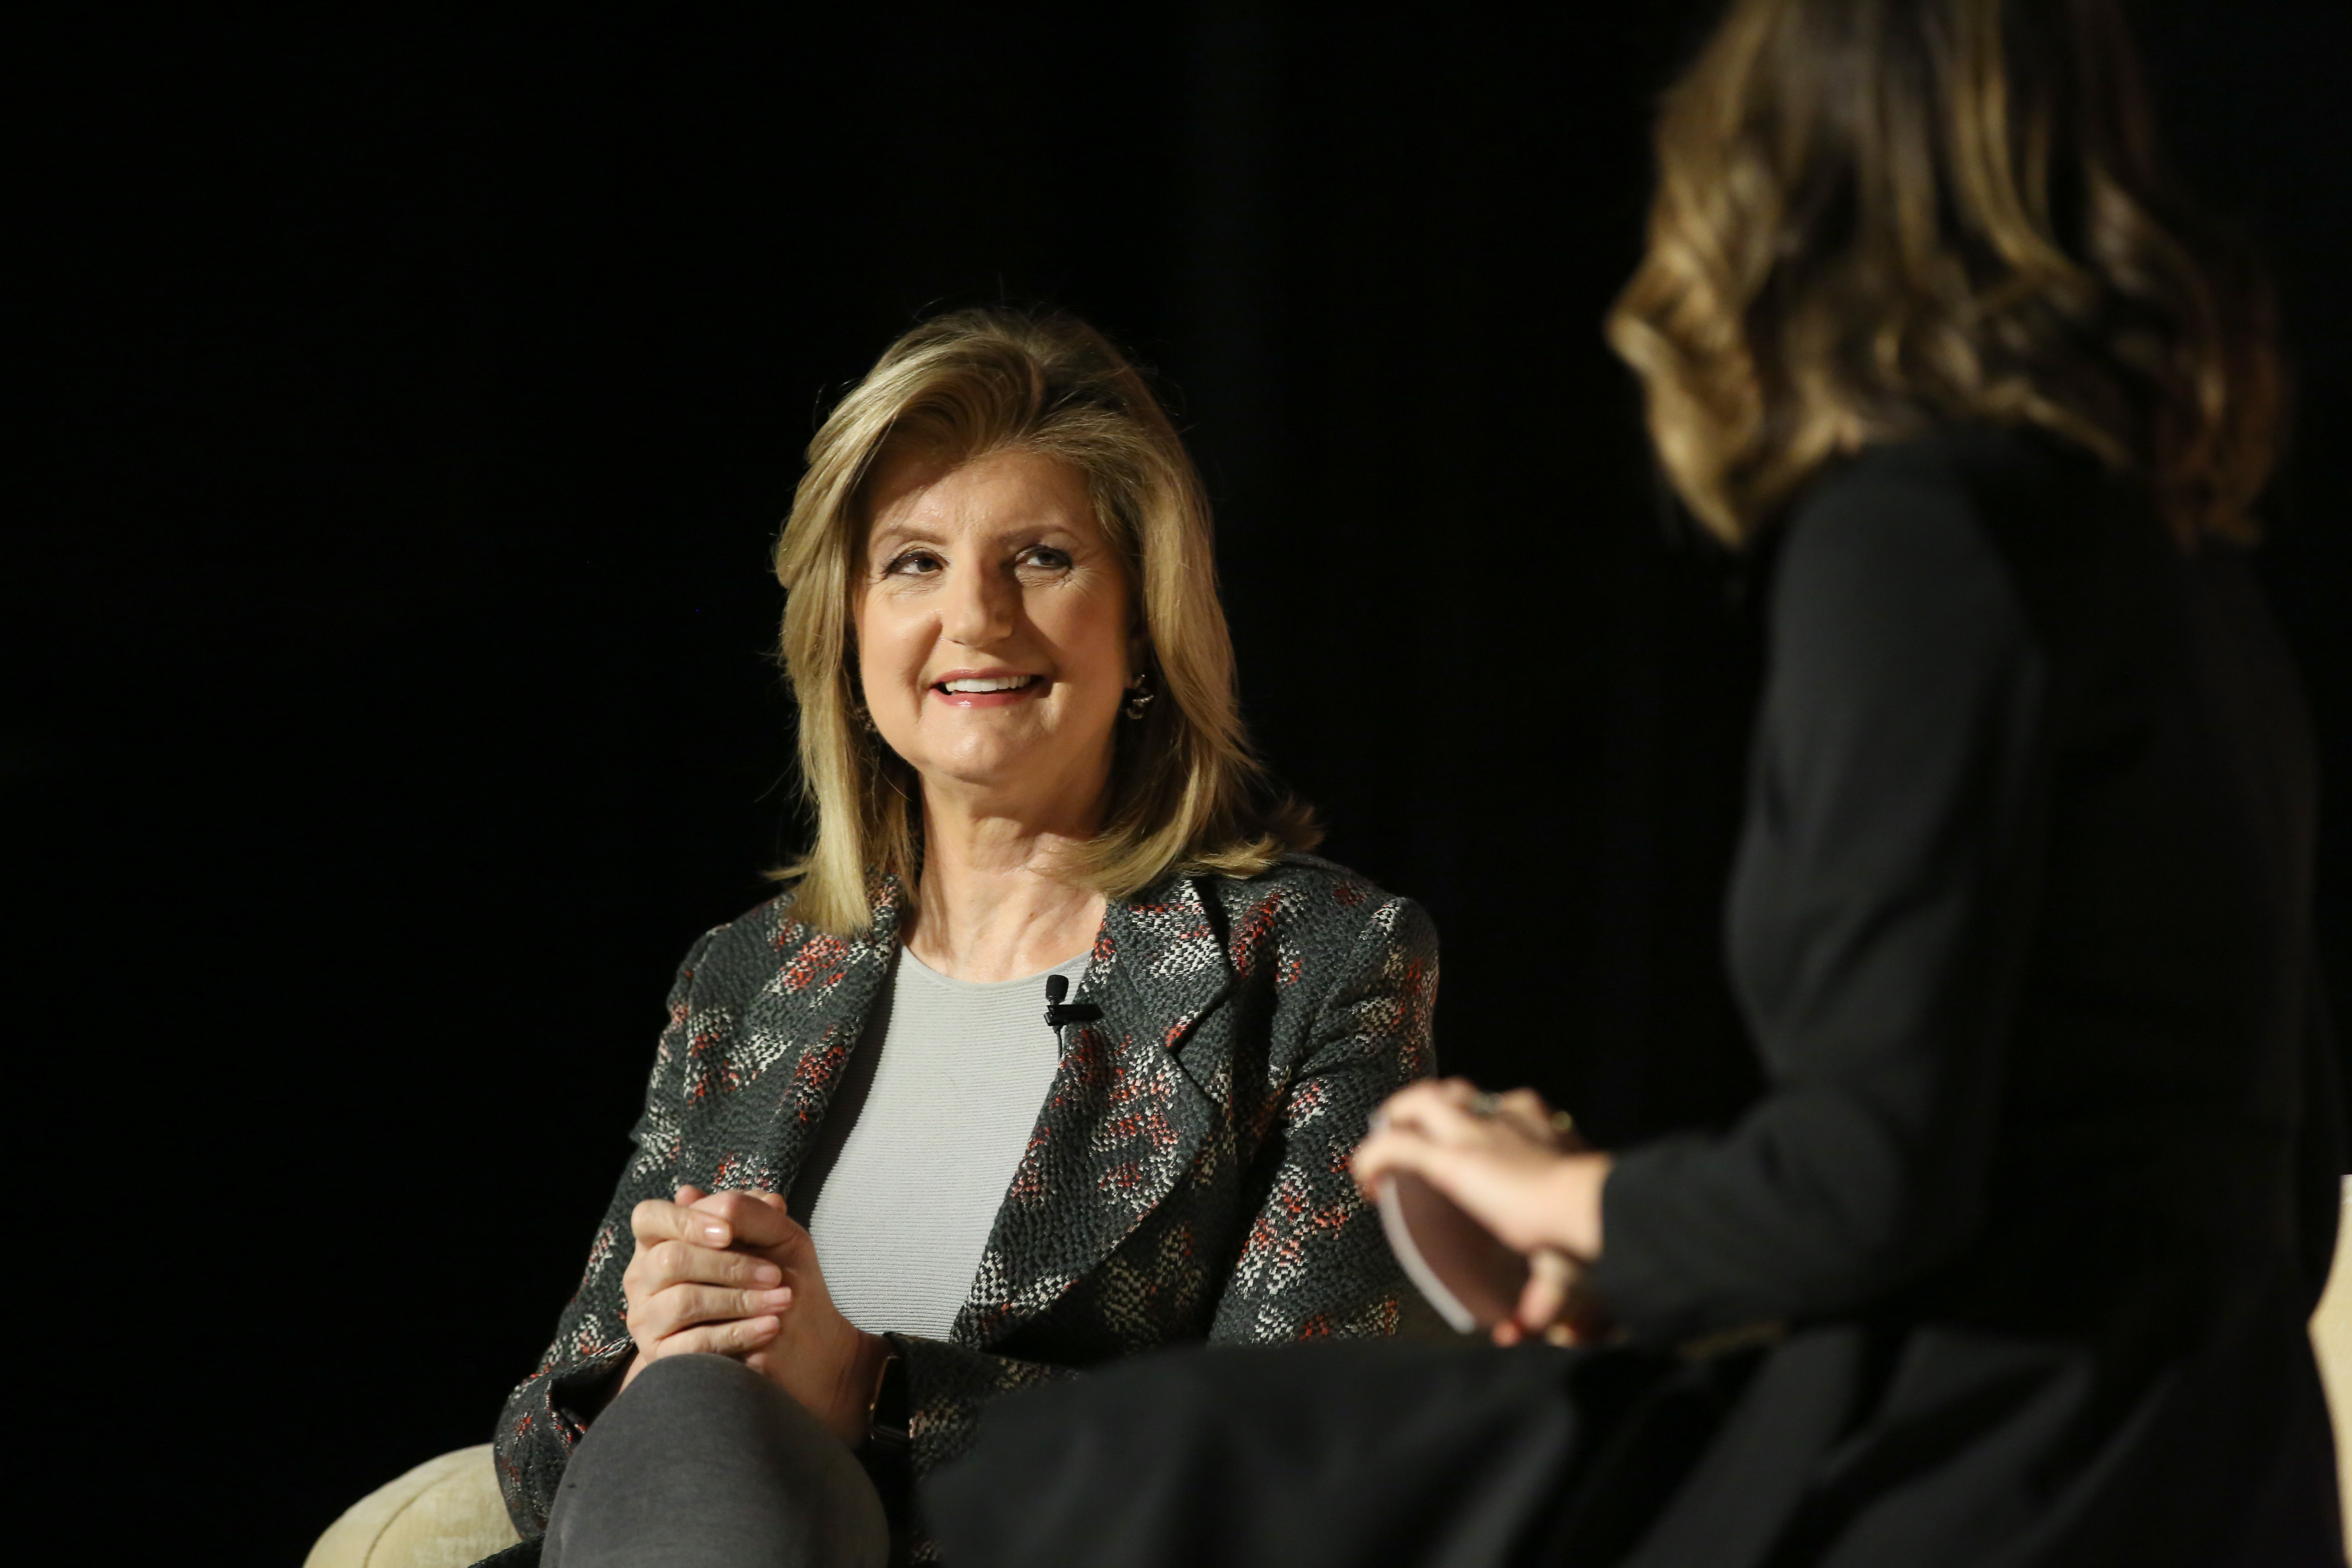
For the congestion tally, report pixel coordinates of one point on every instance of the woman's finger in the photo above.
(1543, 1299)
(738, 1338)
(1538, 1118)
(663, 1313)
(667, 1263)
(1418, 1097)
(1525, 1110)
(1401, 1103)
(1440, 1113)
(1443, 1165)
(1456, 1109)
(1390, 1150)
(653, 1220)
(753, 1218)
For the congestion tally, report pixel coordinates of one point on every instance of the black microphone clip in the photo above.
(1057, 1014)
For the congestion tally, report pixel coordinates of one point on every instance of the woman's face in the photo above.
(993, 631)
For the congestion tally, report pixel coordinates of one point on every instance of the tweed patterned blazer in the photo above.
(1186, 1180)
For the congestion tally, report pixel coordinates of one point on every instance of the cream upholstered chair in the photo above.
(447, 1514)
(2331, 1336)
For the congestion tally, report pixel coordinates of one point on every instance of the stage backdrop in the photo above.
(413, 406)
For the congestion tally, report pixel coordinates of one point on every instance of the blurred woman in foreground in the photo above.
(2011, 1262)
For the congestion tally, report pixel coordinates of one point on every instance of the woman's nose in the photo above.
(982, 602)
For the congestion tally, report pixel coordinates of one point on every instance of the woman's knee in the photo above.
(699, 1383)
(695, 1404)
(705, 1439)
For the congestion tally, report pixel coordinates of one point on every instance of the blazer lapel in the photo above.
(806, 1020)
(1123, 1117)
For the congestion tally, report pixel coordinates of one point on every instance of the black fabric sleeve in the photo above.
(1876, 919)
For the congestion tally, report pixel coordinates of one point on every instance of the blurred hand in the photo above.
(1554, 1305)
(1516, 1168)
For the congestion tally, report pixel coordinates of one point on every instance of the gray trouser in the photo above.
(702, 1463)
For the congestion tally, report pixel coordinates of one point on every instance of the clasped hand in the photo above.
(1511, 1164)
(732, 1274)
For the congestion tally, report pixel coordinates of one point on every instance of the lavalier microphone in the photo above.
(1058, 986)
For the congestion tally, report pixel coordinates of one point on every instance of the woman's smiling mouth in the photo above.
(965, 688)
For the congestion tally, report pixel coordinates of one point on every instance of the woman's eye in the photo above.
(1045, 555)
(913, 563)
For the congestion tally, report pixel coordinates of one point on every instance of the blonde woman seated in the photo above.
(873, 1189)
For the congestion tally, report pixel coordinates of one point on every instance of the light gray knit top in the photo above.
(923, 1136)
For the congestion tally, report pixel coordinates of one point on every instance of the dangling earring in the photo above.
(1138, 694)
(866, 720)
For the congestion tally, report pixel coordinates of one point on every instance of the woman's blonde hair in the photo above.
(1187, 791)
(1874, 215)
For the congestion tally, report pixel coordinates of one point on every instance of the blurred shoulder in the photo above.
(1893, 506)
(1912, 543)
(1968, 498)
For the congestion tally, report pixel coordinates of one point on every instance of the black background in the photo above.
(413, 403)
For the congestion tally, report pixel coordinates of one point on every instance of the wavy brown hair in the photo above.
(1876, 216)
(1188, 793)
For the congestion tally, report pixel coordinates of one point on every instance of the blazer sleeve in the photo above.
(548, 1412)
(1878, 919)
(1313, 1262)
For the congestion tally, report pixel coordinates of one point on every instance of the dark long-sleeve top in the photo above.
(1187, 1178)
(2021, 923)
